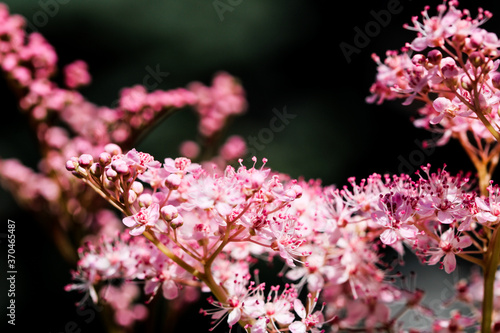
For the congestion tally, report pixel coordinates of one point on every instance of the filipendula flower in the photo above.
(146, 217)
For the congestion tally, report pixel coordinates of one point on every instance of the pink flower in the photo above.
(449, 245)
(310, 321)
(146, 217)
(76, 74)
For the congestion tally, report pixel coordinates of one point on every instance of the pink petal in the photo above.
(170, 290)
(137, 231)
(284, 318)
(464, 242)
(419, 44)
(389, 236)
(129, 221)
(408, 231)
(440, 104)
(449, 262)
(437, 119)
(444, 217)
(234, 316)
(297, 327)
(299, 308)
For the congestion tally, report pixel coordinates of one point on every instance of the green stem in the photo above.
(190, 269)
(490, 269)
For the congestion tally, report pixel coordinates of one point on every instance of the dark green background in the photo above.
(286, 54)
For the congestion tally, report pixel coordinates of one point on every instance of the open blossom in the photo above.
(449, 245)
(489, 208)
(310, 321)
(394, 217)
(146, 217)
(433, 31)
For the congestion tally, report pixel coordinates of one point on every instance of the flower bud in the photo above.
(495, 80)
(169, 212)
(104, 158)
(85, 160)
(112, 149)
(71, 164)
(434, 57)
(177, 222)
(145, 200)
(111, 174)
(95, 169)
(132, 197)
(418, 59)
(466, 83)
(476, 58)
(173, 181)
(137, 187)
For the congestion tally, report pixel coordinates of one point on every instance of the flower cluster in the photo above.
(215, 224)
(66, 124)
(452, 68)
(200, 224)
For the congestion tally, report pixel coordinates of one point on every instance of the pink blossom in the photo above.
(146, 217)
(310, 321)
(449, 245)
(76, 74)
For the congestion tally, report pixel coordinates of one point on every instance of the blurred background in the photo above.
(287, 54)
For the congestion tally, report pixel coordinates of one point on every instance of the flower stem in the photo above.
(490, 269)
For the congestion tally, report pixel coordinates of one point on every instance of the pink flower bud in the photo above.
(476, 58)
(190, 149)
(169, 212)
(95, 169)
(137, 187)
(132, 196)
(104, 159)
(495, 80)
(112, 149)
(466, 83)
(173, 181)
(111, 174)
(434, 57)
(145, 200)
(71, 164)
(177, 222)
(85, 160)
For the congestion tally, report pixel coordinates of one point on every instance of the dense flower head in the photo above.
(329, 238)
(452, 72)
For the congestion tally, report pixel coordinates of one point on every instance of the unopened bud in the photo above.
(145, 200)
(418, 59)
(466, 83)
(495, 80)
(71, 164)
(177, 222)
(169, 212)
(85, 160)
(173, 181)
(104, 159)
(137, 187)
(132, 197)
(434, 57)
(95, 169)
(112, 149)
(476, 58)
(111, 174)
